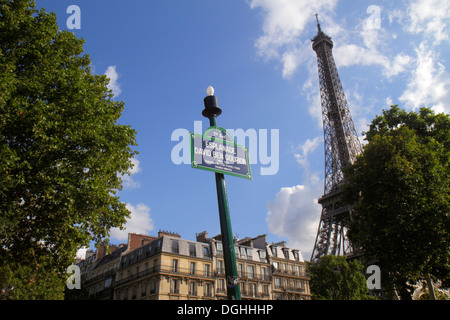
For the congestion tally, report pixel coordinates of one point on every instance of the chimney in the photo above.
(202, 236)
(101, 252)
(167, 233)
(138, 240)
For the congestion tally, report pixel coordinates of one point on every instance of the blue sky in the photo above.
(162, 55)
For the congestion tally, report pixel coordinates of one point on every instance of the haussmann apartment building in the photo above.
(167, 267)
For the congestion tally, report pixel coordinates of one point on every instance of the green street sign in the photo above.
(216, 151)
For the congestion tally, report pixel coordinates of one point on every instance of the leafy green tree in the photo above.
(335, 278)
(62, 153)
(400, 190)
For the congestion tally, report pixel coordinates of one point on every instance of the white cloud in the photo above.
(113, 85)
(284, 23)
(430, 82)
(399, 65)
(139, 222)
(430, 17)
(373, 51)
(128, 180)
(311, 91)
(81, 253)
(288, 27)
(389, 101)
(295, 214)
(287, 30)
(306, 148)
(311, 145)
(291, 61)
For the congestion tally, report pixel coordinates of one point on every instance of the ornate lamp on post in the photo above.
(212, 111)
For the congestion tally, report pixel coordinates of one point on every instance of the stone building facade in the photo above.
(167, 267)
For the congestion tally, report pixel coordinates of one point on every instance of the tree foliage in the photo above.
(62, 151)
(400, 190)
(335, 278)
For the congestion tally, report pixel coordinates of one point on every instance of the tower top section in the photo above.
(321, 36)
(318, 24)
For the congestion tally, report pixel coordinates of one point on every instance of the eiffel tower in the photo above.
(341, 148)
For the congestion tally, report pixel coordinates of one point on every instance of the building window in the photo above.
(251, 271)
(241, 270)
(207, 270)
(252, 289)
(276, 265)
(108, 282)
(221, 285)
(175, 265)
(192, 251)
(175, 248)
(152, 286)
(206, 253)
(274, 251)
(264, 273)
(144, 289)
(296, 255)
(262, 255)
(175, 287)
(220, 266)
(286, 253)
(292, 269)
(250, 253)
(192, 268)
(277, 283)
(219, 247)
(208, 290)
(192, 288)
(266, 290)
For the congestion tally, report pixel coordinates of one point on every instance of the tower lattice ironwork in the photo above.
(341, 148)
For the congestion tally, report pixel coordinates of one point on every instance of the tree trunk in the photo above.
(430, 288)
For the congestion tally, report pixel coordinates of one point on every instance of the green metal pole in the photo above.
(229, 255)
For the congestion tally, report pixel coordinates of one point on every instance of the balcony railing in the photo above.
(289, 288)
(247, 275)
(100, 277)
(253, 294)
(290, 272)
(167, 270)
